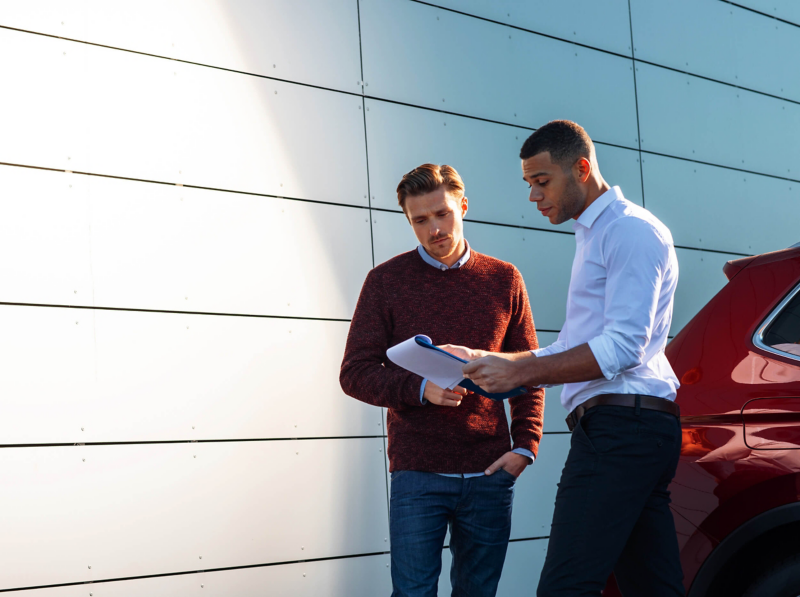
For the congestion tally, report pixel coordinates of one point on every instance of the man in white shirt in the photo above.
(612, 506)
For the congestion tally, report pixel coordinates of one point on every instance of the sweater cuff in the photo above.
(414, 397)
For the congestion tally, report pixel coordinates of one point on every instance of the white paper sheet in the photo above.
(441, 369)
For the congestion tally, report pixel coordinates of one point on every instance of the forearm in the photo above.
(376, 385)
(574, 365)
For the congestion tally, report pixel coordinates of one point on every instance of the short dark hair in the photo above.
(426, 179)
(566, 141)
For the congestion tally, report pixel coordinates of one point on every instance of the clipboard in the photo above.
(440, 366)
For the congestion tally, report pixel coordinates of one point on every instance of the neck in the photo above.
(596, 188)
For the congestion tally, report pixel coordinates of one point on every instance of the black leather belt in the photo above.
(631, 400)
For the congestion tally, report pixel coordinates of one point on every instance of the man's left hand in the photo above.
(493, 374)
(511, 462)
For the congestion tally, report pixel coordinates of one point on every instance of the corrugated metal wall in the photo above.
(192, 192)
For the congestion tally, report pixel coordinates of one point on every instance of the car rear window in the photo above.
(783, 334)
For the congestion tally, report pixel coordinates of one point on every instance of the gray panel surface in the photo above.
(602, 24)
(182, 249)
(722, 209)
(349, 577)
(694, 36)
(788, 10)
(494, 72)
(485, 154)
(684, 116)
(183, 123)
(535, 491)
(554, 413)
(105, 512)
(132, 376)
(719, 41)
(315, 42)
(699, 280)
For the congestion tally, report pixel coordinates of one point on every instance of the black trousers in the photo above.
(612, 507)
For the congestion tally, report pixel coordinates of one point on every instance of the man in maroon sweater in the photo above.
(450, 456)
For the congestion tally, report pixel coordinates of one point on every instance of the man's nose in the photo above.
(535, 196)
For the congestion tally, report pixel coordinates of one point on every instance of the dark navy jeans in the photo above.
(612, 508)
(478, 512)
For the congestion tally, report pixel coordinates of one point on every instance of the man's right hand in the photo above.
(436, 395)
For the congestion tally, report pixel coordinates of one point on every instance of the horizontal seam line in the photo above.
(185, 186)
(184, 573)
(354, 94)
(181, 60)
(617, 54)
(763, 14)
(134, 309)
(187, 441)
(332, 204)
(55, 306)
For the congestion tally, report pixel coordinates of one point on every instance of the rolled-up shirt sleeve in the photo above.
(560, 345)
(635, 257)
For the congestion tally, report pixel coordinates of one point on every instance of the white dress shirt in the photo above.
(620, 300)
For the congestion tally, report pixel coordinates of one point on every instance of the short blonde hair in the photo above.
(426, 179)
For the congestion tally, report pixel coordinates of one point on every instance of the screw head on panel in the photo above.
(201, 557)
(84, 460)
(302, 548)
(304, 574)
(192, 426)
(81, 428)
(90, 567)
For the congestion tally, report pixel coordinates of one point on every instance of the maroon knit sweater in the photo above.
(482, 304)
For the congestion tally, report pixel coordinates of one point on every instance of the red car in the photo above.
(736, 495)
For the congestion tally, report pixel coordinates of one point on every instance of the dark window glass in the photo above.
(784, 333)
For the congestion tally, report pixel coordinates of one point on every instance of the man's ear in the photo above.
(583, 168)
(464, 205)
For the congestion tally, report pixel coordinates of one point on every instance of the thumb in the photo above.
(494, 466)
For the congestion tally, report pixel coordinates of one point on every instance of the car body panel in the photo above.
(740, 412)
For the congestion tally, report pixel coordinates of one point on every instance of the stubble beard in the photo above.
(571, 203)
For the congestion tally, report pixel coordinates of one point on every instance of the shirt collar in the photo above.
(591, 213)
(438, 264)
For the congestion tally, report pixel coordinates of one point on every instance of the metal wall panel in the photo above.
(101, 376)
(493, 71)
(554, 413)
(602, 24)
(102, 512)
(718, 208)
(485, 154)
(45, 239)
(699, 280)
(40, 119)
(543, 258)
(787, 10)
(313, 42)
(226, 252)
(182, 123)
(695, 36)
(685, 116)
(535, 492)
(717, 40)
(523, 566)
(350, 577)
(177, 248)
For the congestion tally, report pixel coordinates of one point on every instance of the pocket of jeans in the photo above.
(506, 473)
